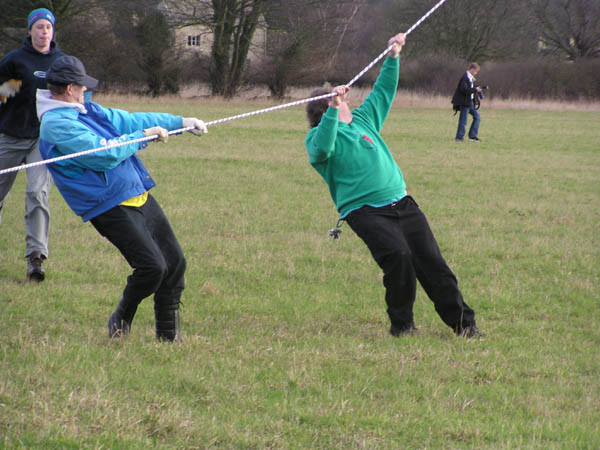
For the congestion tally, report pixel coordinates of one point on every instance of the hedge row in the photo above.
(533, 78)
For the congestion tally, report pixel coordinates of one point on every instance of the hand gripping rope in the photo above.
(226, 119)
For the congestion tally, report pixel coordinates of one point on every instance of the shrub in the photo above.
(535, 78)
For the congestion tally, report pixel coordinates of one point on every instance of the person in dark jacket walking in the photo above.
(463, 101)
(22, 72)
(110, 189)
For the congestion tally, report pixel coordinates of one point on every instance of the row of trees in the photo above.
(130, 43)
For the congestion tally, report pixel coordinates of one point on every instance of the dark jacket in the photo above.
(18, 116)
(462, 95)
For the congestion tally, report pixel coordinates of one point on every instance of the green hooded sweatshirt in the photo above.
(352, 158)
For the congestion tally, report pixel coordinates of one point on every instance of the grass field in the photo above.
(286, 336)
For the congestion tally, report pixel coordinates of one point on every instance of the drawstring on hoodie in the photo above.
(335, 232)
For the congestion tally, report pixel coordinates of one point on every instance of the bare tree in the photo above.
(232, 24)
(306, 39)
(95, 29)
(235, 22)
(156, 40)
(568, 27)
(469, 29)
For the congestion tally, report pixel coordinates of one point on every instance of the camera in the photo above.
(483, 88)
(477, 98)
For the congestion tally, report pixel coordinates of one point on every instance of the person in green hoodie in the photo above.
(368, 188)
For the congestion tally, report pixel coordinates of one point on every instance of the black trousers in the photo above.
(144, 237)
(402, 243)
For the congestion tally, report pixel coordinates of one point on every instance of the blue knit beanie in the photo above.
(40, 13)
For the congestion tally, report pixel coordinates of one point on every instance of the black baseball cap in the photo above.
(69, 70)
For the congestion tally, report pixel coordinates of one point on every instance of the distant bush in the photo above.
(431, 74)
(537, 78)
(545, 78)
(534, 78)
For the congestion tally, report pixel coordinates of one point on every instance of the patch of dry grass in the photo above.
(197, 92)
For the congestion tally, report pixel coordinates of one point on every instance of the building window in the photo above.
(193, 41)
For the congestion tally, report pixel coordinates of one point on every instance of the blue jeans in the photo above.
(403, 245)
(462, 122)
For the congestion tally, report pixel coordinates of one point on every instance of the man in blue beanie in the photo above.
(40, 13)
(22, 72)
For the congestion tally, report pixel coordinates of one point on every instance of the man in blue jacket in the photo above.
(110, 189)
(22, 72)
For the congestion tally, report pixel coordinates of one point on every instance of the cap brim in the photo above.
(89, 82)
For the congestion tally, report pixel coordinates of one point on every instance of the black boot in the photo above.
(167, 322)
(35, 272)
(119, 322)
(403, 329)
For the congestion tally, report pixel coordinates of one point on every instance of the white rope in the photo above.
(154, 136)
(272, 108)
(387, 50)
(226, 119)
(86, 152)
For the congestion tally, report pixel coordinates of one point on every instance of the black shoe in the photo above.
(119, 323)
(475, 139)
(117, 326)
(35, 272)
(470, 332)
(404, 330)
(459, 140)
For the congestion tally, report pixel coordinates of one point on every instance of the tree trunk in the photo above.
(235, 22)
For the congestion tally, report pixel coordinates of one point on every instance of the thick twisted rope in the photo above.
(226, 119)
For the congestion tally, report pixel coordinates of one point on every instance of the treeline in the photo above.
(527, 78)
(534, 49)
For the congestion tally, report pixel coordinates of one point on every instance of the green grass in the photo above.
(286, 335)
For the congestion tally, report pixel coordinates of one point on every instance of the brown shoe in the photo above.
(35, 272)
